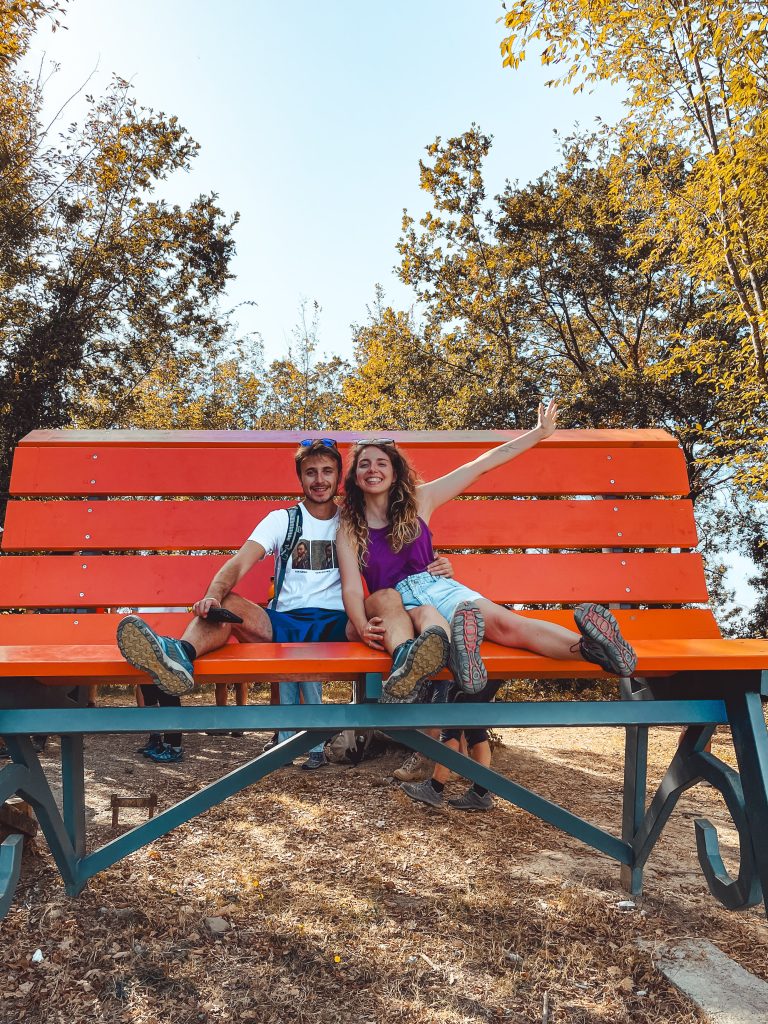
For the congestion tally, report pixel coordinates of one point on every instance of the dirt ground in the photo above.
(346, 903)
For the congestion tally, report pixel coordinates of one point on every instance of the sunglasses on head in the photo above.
(375, 440)
(309, 441)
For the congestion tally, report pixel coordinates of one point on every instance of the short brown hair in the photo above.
(317, 447)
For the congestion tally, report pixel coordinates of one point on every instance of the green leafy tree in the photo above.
(102, 283)
(696, 77)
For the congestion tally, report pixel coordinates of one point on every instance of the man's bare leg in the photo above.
(207, 636)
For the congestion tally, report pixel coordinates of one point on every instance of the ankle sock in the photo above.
(480, 790)
(437, 786)
(188, 649)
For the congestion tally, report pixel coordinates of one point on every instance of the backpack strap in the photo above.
(295, 526)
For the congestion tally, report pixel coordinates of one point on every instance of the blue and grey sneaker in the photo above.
(166, 755)
(424, 792)
(472, 801)
(601, 640)
(415, 662)
(316, 759)
(161, 657)
(154, 742)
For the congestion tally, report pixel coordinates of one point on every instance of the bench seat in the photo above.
(99, 522)
(54, 663)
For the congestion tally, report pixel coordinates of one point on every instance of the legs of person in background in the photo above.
(92, 694)
(241, 699)
(311, 693)
(165, 749)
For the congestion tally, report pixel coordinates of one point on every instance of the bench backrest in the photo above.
(144, 518)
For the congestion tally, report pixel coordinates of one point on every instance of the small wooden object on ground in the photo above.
(116, 802)
(16, 815)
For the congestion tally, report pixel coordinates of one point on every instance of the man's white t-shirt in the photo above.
(312, 578)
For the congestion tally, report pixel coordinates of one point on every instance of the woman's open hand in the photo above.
(441, 566)
(547, 417)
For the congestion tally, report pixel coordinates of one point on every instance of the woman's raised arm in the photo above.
(435, 493)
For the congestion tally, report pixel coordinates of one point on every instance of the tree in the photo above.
(301, 392)
(101, 282)
(696, 76)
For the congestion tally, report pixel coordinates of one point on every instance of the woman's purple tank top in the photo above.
(386, 567)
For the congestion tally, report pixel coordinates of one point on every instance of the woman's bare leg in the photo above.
(503, 626)
(425, 616)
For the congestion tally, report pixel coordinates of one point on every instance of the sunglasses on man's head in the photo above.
(309, 441)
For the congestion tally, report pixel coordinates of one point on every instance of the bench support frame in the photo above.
(693, 705)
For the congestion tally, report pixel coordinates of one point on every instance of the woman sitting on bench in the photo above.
(385, 535)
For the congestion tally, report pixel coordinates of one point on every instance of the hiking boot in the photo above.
(414, 768)
(237, 733)
(415, 661)
(424, 792)
(316, 759)
(161, 657)
(601, 640)
(154, 742)
(464, 661)
(166, 755)
(472, 801)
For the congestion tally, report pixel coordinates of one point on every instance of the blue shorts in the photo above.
(440, 591)
(307, 624)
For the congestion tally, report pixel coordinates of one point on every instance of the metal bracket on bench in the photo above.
(690, 766)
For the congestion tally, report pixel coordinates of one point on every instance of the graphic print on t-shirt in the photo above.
(301, 557)
(314, 554)
(324, 555)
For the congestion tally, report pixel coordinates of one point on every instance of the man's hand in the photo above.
(441, 566)
(200, 608)
(373, 634)
(547, 417)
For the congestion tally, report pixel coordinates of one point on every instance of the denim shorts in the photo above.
(440, 591)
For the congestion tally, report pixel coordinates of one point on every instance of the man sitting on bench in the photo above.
(307, 605)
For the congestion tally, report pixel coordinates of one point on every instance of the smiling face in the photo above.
(319, 478)
(374, 473)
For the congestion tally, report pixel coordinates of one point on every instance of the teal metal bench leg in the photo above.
(34, 788)
(10, 868)
(635, 784)
(73, 791)
(750, 741)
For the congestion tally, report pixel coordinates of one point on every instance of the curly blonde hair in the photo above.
(404, 525)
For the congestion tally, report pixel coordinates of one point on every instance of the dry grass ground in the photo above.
(348, 904)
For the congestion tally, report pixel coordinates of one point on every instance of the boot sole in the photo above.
(428, 655)
(598, 625)
(467, 632)
(139, 647)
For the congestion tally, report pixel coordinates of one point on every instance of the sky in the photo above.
(312, 118)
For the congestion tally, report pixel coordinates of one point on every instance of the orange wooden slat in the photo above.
(631, 438)
(169, 580)
(90, 628)
(264, 662)
(224, 525)
(225, 471)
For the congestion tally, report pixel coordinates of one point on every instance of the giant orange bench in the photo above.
(144, 518)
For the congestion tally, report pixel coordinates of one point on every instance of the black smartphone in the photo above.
(222, 615)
